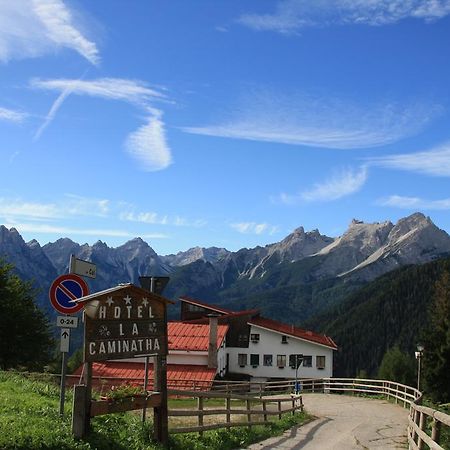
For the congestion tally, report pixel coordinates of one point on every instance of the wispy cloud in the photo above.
(62, 230)
(434, 162)
(52, 112)
(319, 121)
(31, 28)
(10, 115)
(291, 16)
(344, 182)
(154, 218)
(148, 145)
(414, 203)
(254, 228)
(73, 205)
(132, 91)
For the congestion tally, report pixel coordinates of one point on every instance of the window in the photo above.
(254, 337)
(307, 361)
(243, 339)
(242, 359)
(267, 360)
(320, 362)
(281, 361)
(254, 360)
(284, 339)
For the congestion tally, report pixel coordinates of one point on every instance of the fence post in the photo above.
(249, 416)
(436, 431)
(200, 415)
(293, 406)
(264, 406)
(421, 427)
(79, 411)
(279, 410)
(228, 408)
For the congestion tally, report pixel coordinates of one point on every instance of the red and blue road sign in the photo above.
(64, 290)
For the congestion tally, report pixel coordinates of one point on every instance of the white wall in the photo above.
(270, 343)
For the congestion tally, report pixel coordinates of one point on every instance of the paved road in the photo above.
(344, 423)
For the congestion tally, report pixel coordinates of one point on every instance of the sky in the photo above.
(221, 123)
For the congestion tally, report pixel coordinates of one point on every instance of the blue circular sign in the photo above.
(64, 290)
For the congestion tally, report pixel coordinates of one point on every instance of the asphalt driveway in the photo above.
(345, 423)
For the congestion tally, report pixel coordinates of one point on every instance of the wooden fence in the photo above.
(424, 425)
(250, 406)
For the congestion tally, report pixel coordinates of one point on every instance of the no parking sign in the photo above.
(64, 290)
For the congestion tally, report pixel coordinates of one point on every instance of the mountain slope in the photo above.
(391, 310)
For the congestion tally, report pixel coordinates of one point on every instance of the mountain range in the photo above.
(291, 280)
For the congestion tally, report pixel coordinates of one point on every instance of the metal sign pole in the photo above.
(62, 395)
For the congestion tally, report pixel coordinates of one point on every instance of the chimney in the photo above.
(212, 347)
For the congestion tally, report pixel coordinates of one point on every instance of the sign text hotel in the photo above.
(124, 325)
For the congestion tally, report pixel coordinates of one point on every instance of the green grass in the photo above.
(29, 420)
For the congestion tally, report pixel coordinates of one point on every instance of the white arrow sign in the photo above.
(65, 340)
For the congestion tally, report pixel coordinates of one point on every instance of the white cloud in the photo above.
(435, 162)
(132, 91)
(254, 228)
(31, 28)
(73, 205)
(291, 16)
(10, 115)
(319, 122)
(52, 112)
(148, 145)
(154, 218)
(342, 183)
(414, 203)
(62, 230)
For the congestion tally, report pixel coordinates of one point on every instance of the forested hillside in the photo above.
(392, 310)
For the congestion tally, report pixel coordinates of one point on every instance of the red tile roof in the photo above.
(193, 336)
(205, 305)
(290, 330)
(115, 373)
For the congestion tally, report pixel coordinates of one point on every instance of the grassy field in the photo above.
(29, 419)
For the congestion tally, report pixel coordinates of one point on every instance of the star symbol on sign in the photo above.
(145, 301)
(127, 300)
(110, 301)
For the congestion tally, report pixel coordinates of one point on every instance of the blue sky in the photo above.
(221, 123)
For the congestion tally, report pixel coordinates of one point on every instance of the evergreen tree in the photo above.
(397, 366)
(25, 338)
(436, 355)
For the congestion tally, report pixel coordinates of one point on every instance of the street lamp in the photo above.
(297, 361)
(419, 354)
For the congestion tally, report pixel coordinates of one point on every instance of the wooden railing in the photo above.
(424, 425)
(249, 407)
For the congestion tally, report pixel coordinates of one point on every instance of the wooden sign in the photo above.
(124, 322)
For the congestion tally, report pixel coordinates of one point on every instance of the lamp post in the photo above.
(298, 361)
(419, 355)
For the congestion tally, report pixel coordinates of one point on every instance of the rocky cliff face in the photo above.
(364, 251)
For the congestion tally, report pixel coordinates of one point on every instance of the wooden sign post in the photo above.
(124, 322)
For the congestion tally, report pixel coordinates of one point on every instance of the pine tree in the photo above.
(436, 355)
(397, 366)
(25, 338)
